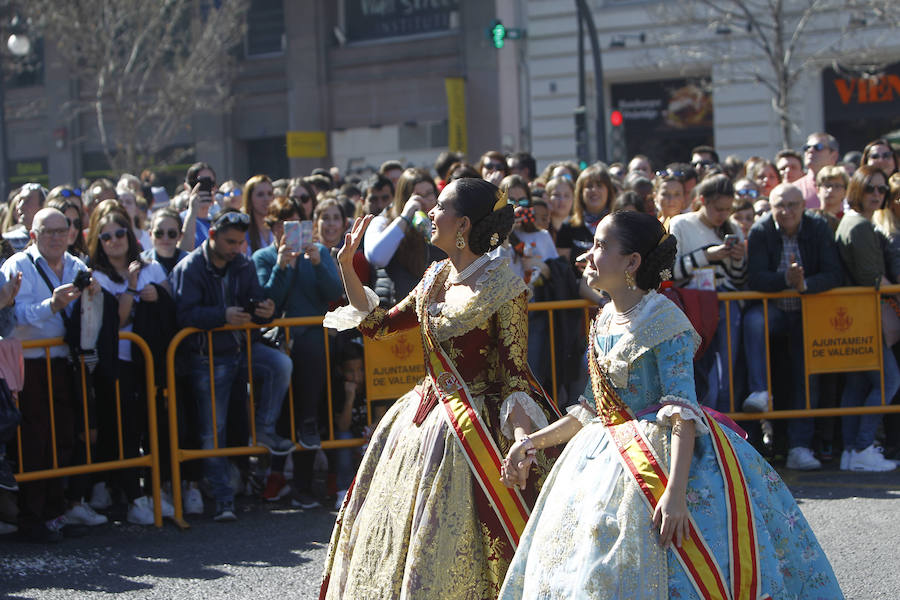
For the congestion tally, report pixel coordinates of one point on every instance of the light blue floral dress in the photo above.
(590, 534)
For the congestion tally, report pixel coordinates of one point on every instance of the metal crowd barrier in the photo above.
(149, 460)
(180, 455)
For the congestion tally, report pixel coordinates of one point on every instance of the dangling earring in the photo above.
(460, 242)
(629, 280)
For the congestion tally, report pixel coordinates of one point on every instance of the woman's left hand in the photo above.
(149, 293)
(312, 254)
(672, 518)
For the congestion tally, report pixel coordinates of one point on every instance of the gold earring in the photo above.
(460, 242)
(629, 280)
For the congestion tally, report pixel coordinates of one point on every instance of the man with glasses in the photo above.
(702, 159)
(213, 286)
(820, 150)
(788, 249)
(43, 305)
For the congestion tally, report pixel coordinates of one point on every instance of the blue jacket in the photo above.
(301, 290)
(818, 253)
(200, 298)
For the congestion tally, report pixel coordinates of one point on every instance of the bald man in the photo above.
(46, 293)
(788, 249)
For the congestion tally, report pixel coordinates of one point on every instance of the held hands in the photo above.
(352, 240)
(9, 290)
(514, 469)
(672, 518)
(794, 276)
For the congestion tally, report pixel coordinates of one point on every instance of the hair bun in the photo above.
(657, 264)
(492, 230)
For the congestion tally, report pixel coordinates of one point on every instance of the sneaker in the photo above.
(140, 512)
(305, 500)
(802, 459)
(308, 436)
(193, 501)
(83, 514)
(275, 444)
(870, 459)
(7, 479)
(100, 498)
(225, 512)
(757, 402)
(845, 460)
(339, 502)
(276, 487)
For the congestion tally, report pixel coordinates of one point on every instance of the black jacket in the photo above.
(201, 297)
(818, 254)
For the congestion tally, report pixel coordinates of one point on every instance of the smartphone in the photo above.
(292, 235)
(206, 184)
(252, 305)
(306, 233)
(730, 240)
(82, 280)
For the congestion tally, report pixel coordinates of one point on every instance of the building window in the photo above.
(265, 28)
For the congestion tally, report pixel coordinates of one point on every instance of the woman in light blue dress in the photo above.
(637, 506)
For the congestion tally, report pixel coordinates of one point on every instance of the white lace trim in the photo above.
(493, 264)
(583, 411)
(664, 415)
(532, 410)
(347, 317)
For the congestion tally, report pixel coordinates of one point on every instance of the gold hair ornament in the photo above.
(502, 200)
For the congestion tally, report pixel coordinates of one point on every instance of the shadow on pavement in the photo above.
(836, 484)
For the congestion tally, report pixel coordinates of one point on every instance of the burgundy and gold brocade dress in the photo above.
(415, 523)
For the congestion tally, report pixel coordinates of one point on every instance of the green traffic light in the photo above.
(498, 33)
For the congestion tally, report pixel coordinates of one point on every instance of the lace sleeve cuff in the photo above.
(673, 405)
(532, 411)
(347, 317)
(582, 411)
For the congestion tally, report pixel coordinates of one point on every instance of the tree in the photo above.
(786, 38)
(144, 66)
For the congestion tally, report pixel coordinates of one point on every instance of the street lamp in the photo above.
(19, 45)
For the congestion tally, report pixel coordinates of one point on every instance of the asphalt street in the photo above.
(276, 552)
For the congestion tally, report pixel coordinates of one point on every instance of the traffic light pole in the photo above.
(586, 18)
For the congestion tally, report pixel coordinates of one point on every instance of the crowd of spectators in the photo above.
(84, 262)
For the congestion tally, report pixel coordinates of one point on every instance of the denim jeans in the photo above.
(782, 324)
(718, 380)
(271, 368)
(343, 461)
(863, 388)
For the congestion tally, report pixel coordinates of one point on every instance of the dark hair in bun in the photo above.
(475, 198)
(642, 233)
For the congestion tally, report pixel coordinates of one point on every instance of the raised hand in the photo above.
(352, 240)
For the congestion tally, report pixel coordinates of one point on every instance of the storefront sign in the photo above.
(861, 96)
(29, 170)
(307, 144)
(393, 365)
(378, 19)
(841, 333)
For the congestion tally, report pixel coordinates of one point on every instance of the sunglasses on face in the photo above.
(818, 147)
(829, 185)
(118, 233)
(67, 193)
(882, 156)
(671, 173)
(303, 198)
(160, 233)
(519, 202)
(494, 166)
(881, 189)
(747, 193)
(76, 223)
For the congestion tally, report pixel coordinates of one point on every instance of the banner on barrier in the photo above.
(394, 365)
(842, 333)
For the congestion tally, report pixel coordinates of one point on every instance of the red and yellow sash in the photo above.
(470, 430)
(641, 462)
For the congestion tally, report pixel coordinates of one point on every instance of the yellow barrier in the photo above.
(149, 460)
(180, 455)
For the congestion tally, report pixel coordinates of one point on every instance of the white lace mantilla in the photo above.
(532, 410)
(347, 317)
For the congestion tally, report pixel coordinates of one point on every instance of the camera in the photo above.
(206, 184)
(82, 280)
